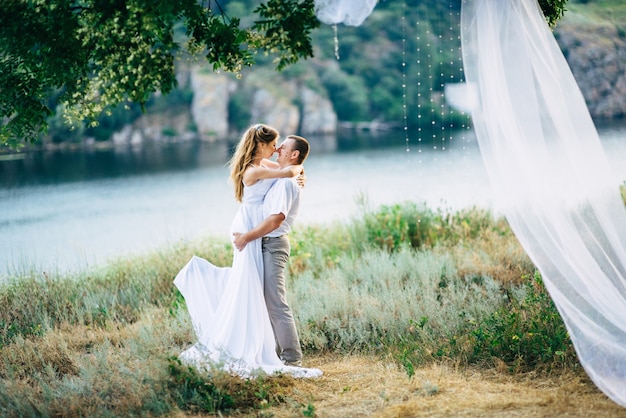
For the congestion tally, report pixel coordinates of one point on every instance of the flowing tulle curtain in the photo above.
(347, 12)
(548, 170)
(551, 175)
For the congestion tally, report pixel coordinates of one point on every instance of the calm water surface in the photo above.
(72, 210)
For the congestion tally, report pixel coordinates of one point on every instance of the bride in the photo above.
(226, 304)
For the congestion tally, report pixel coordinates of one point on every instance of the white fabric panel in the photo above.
(348, 12)
(547, 166)
(551, 175)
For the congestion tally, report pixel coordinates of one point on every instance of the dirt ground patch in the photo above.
(357, 386)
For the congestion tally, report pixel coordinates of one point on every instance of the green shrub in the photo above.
(421, 227)
(217, 391)
(526, 332)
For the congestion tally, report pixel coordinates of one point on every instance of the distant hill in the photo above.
(393, 68)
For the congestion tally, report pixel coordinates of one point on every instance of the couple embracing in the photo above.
(240, 313)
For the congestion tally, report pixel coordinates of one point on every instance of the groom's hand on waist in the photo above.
(239, 240)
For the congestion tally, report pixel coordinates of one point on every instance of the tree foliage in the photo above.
(91, 55)
(553, 10)
(88, 56)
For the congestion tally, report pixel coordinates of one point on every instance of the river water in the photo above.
(70, 210)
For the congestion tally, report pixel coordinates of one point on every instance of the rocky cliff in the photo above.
(596, 53)
(287, 104)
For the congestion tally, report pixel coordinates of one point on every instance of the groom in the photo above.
(280, 208)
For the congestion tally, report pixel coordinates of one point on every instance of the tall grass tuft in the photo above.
(367, 303)
(115, 293)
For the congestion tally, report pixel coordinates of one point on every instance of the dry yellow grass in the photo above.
(352, 386)
(359, 386)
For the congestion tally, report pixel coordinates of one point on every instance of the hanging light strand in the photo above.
(336, 39)
(404, 102)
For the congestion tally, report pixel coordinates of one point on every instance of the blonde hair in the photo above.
(245, 152)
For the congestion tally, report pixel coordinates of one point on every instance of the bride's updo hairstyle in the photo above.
(245, 152)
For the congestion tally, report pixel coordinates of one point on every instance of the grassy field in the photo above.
(408, 311)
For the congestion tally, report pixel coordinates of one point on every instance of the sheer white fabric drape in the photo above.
(348, 12)
(547, 167)
(551, 176)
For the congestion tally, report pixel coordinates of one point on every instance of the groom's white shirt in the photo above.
(283, 197)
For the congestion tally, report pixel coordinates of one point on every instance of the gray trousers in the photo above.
(275, 255)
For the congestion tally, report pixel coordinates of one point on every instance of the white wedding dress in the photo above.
(227, 307)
